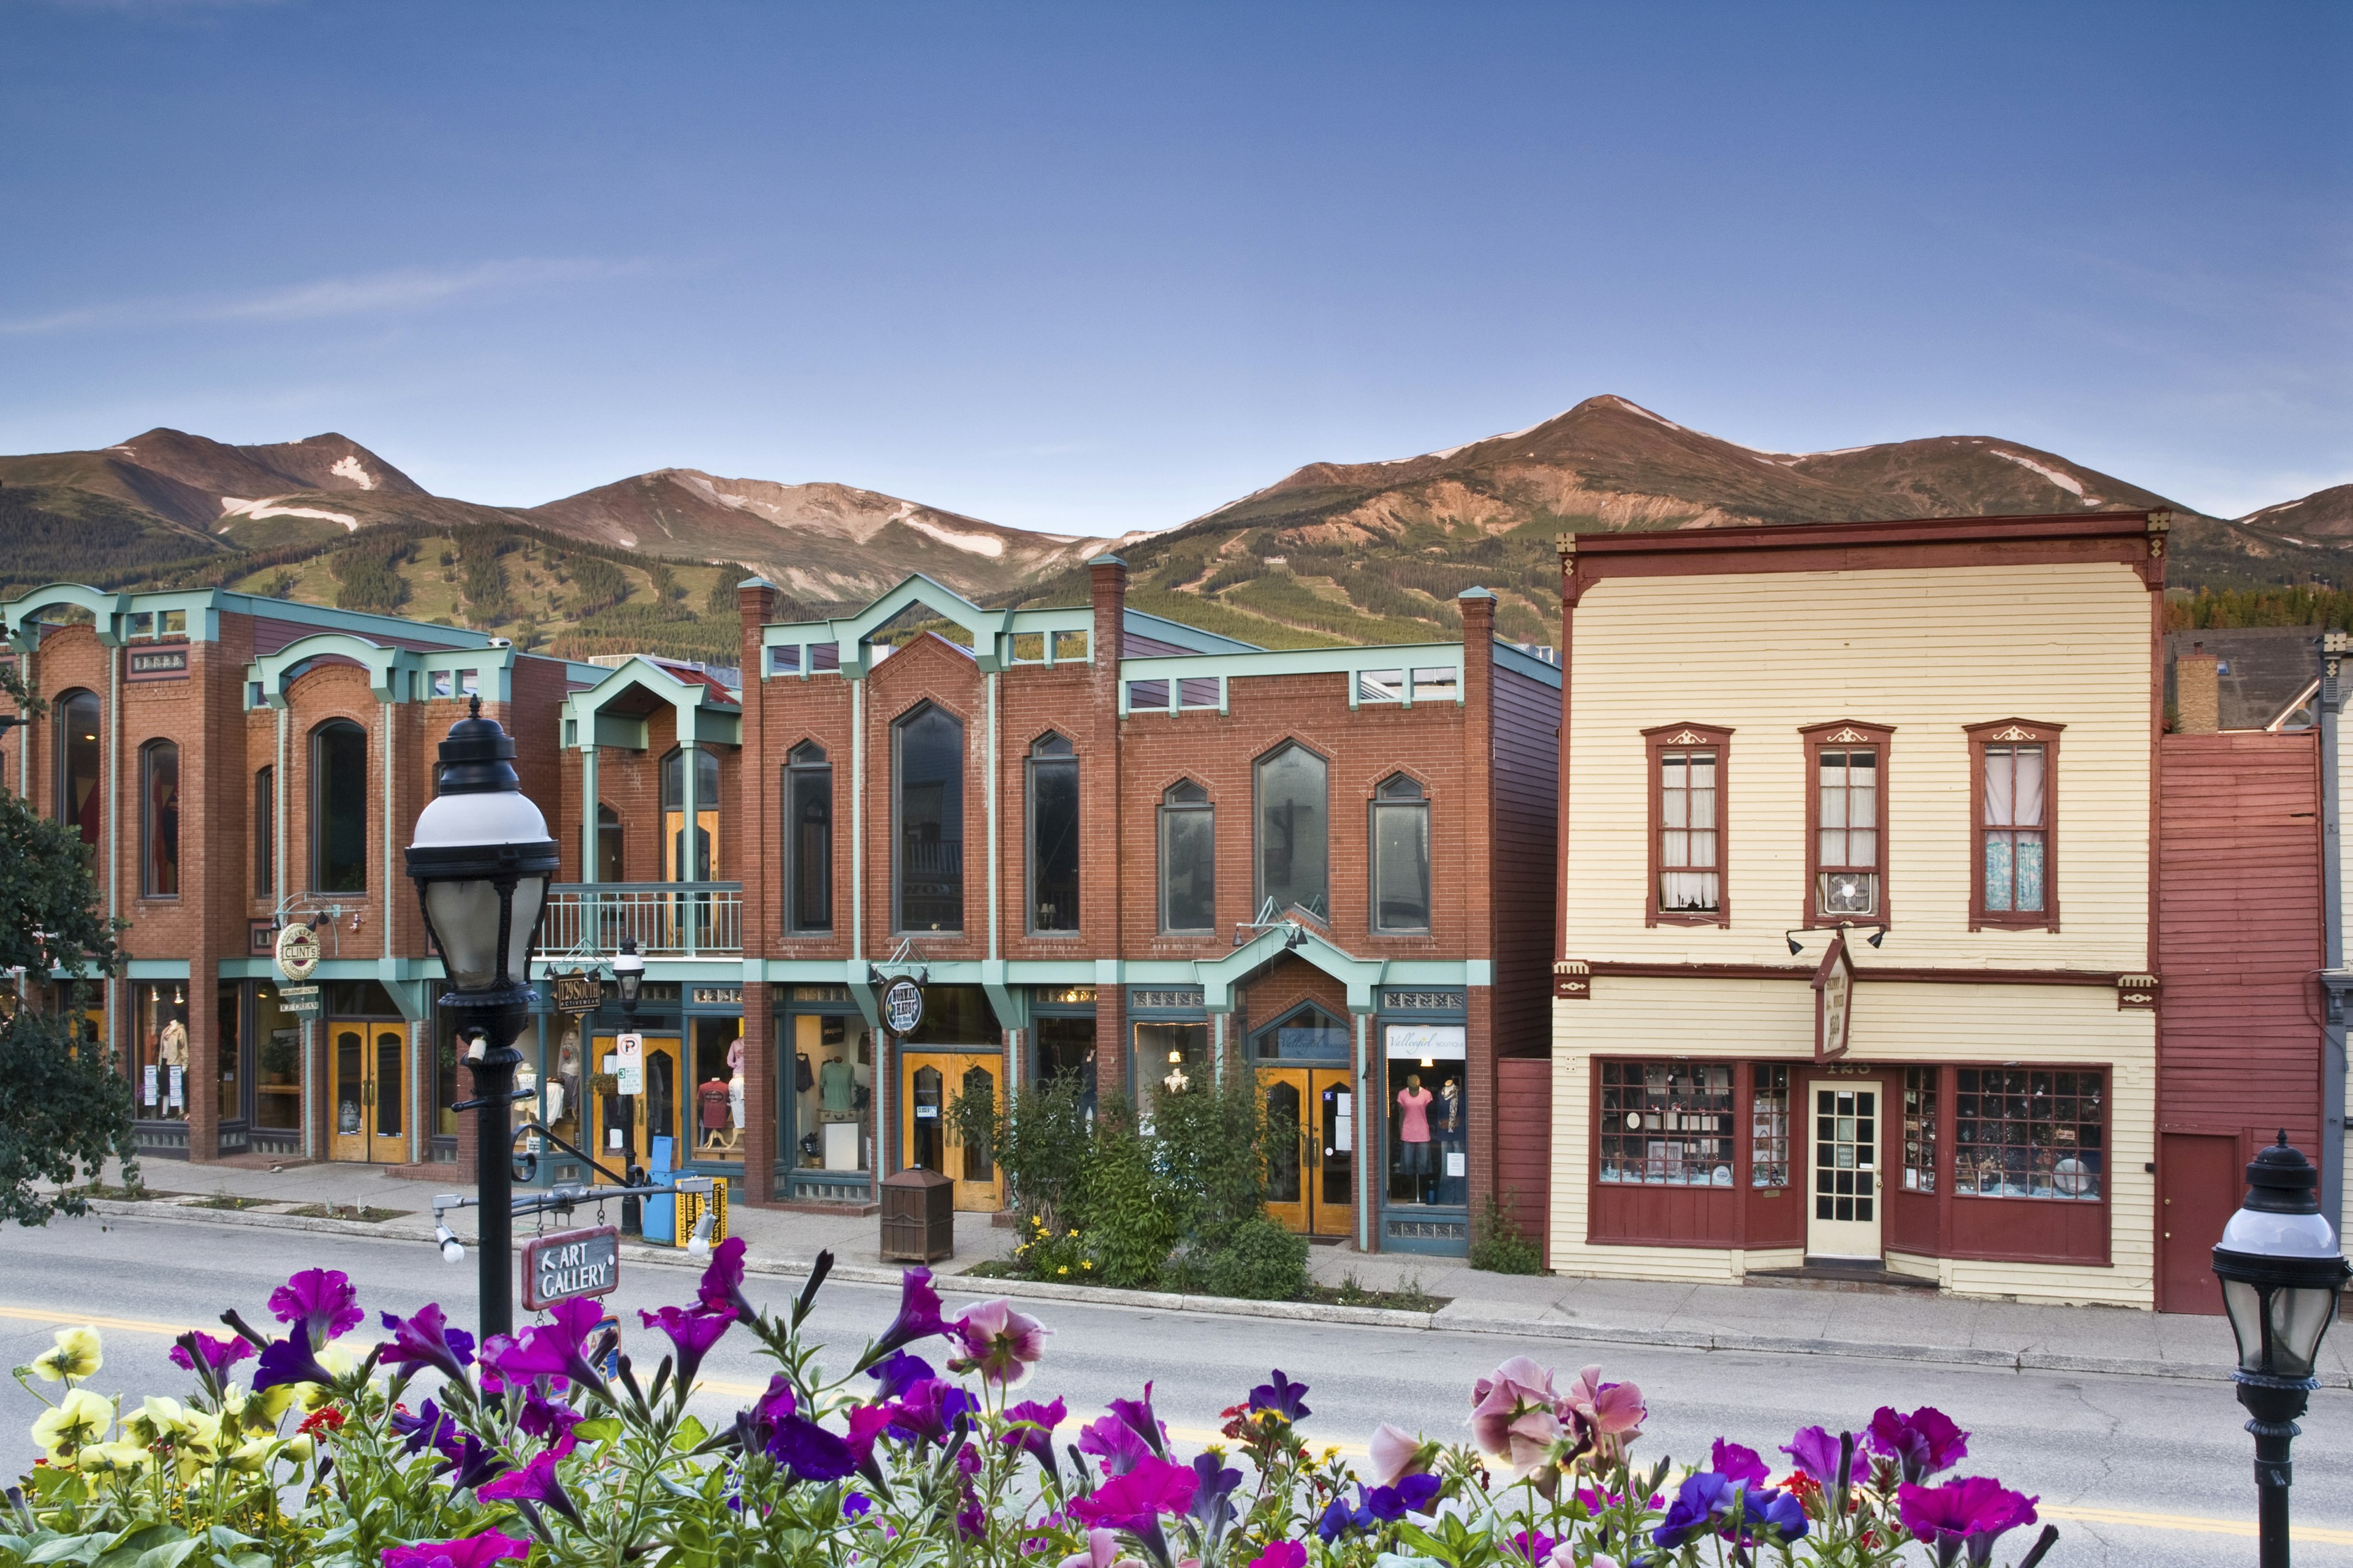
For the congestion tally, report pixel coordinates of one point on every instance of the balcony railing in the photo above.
(666, 920)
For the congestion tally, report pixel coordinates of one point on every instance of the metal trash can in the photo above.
(918, 1218)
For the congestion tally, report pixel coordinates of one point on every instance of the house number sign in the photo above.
(570, 1263)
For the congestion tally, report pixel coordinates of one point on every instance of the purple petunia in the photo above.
(1922, 1443)
(899, 1372)
(1029, 1426)
(810, 1451)
(1135, 1500)
(1735, 1463)
(544, 1419)
(1969, 1514)
(1111, 1440)
(1137, 1414)
(1282, 1396)
(536, 1482)
(430, 1426)
(553, 1350)
(693, 1331)
(290, 1359)
(219, 1354)
(427, 1339)
(321, 1301)
(918, 1317)
(1816, 1452)
(468, 1551)
(931, 1408)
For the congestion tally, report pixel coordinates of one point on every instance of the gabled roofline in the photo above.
(701, 716)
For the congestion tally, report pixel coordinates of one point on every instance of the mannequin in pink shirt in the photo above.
(1413, 1128)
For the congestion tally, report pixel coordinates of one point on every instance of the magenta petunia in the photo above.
(467, 1551)
(1735, 1463)
(427, 1338)
(693, 1331)
(1111, 1440)
(1138, 1414)
(321, 1301)
(551, 1350)
(1134, 1501)
(219, 1354)
(1967, 1513)
(1922, 1443)
(1281, 1554)
(722, 1280)
(918, 1317)
(536, 1482)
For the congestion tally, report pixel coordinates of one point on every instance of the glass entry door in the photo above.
(648, 1116)
(930, 1082)
(1311, 1188)
(1844, 1220)
(367, 1066)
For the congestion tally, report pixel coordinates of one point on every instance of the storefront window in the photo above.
(957, 1015)
(1188, 858)
(1666, 1123)
(229, 1043)
(718, 1110)
(1400, 856)
(159, 1066)
(560, 1098)
(1428, 1124)
(832, 1086)
(1169, 1058)
(1768, 1126)
(277, 1064)
(2019, 1134)
(1920, 1129)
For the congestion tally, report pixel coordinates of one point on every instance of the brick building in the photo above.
(1107, 845)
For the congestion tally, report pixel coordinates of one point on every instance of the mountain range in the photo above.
(1331, 552)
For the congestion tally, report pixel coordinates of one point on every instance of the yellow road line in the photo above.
(2196, 1524)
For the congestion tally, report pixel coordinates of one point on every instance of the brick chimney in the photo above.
(2197, 692)
(1109, 575)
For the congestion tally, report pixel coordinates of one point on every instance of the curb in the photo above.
(1445, 1320)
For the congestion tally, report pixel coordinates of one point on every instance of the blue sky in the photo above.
(1092, 268)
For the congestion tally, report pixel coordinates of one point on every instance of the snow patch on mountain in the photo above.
(2067, 482)
(234, 506)
(986, 544)
(349, 468)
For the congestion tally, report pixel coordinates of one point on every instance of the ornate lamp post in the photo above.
(629, 979)
(2281, 1270)
(482, 861)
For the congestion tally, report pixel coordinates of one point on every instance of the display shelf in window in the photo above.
(1768, 1126)
(2021, 1133)
(1666, 1123)
(1920, 1129)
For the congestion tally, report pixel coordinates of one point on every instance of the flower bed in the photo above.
(547, 1447)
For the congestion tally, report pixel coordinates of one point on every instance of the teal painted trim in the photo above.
(1218, 978)
(158, 968)
(1508, 657)
(700, 716)
(104, 609)
(1010, 1002)
(1159, 629)
(696, 971)
(1436, 972)
(623, 731)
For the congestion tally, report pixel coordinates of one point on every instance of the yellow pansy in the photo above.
(340, 1358)
(200, 1430)
(157, 1420)
(75, 1355)
(80, 1418)
(261, 1411)
(298, 1448)
(113, 1458)
(248, 1457)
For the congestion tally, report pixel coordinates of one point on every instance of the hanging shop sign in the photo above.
(304, 1001)
(570, 1263)
(1833, 1000)
(298, 950)
(629, 1065)
(903, 1007)
(583, 992)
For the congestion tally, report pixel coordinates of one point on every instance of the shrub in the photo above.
(1130, 1230)
(1498, 1245)
(1261, 1261)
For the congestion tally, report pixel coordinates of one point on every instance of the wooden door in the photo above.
(930, 1082)
(1332, 1152)
(367, 1066)
(2201, 1178)
(1289, 1176)
(1843, 1158)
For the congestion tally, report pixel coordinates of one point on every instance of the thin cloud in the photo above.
(368, 294)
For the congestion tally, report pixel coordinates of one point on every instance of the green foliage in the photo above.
(1131, 1229)
(1062, 1257)
(368, 569)
(1498, 1245)
(64, 1107)
(1038, 1138)
(721, 599)
(2307, 604)
(485, 575)
(59, 533)
(1260, 1262)
(1211, 1147)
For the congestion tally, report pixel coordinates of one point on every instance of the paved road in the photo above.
(2140, 1471)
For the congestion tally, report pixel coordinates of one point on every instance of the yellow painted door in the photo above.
(648, 1116)
(367, 1066)
(1288, 1176)
(1331, 1152)
(929, 1084)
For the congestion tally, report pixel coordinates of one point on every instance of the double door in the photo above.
(625, 1126)
(930, 1082)
(367, 1066)
(1310, 1183)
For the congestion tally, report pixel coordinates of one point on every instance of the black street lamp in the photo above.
(2281, 1270)
(629, 979)
(481, 860)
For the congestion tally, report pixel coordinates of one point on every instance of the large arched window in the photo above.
(1400, 856)
(1294, 831)
(1188, 858)
(703, 866)
(78, 753)
(159, 820)
(927, 820)
(1053, 835)
(808, 838)
(339, 814)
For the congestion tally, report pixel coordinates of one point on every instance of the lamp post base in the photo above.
(2275, 1403)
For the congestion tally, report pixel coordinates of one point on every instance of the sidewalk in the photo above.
(1781, 1317)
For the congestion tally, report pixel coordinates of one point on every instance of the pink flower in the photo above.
(1103, 1552)
(469, 1552)
(1283, 1554)
(1611, 1413)
(1396, 1454)
(1135, 1500)
(1512, 1414)
(1000, 1343)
